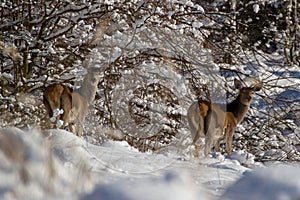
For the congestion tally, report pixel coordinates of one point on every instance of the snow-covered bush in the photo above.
(155, 58)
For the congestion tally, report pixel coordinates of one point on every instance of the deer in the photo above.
(217, 122)
(73, 103)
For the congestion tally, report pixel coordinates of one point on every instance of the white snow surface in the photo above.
(55, 164)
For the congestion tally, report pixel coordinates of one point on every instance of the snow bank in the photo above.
(30, 170)
(56, 164)
(281, 182)
(170, 186)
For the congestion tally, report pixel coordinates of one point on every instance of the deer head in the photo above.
(248, 89)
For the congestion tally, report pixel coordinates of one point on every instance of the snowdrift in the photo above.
(273, 183)
(55, 164)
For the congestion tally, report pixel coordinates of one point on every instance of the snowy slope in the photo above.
(121, 169)
(274, 183)
(58, 165)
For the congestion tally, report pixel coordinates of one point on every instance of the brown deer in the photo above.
(216, 122)
(73, 103)
(57, 97)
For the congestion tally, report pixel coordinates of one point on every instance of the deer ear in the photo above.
(258, 86)
(237, 84)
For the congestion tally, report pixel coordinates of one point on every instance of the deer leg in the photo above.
(196, 138)
(219, 137)
(208, 143)
(54, 115)
(198, 132)
(197, 149)
(79, 127)
(49, 109)
(217, 144)
(211, 136)
(229, 132)
(82, 119)
(196, 154)
(73, 128)
(230, 127)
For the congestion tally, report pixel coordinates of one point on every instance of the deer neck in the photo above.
(88, 88)
(238, 109)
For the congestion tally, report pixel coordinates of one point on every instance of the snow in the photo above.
(274, 183)
(256, 8)
(55, 164)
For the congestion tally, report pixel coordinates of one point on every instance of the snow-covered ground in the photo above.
(55, 164)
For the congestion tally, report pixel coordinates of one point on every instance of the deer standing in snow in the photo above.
(216, 122)
(74, 104)
(57, 98)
